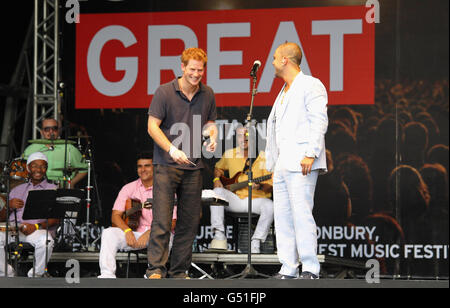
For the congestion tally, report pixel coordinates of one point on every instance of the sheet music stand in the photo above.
(42, 204)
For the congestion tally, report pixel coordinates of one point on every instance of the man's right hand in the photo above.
(178, 156)
(16, 203)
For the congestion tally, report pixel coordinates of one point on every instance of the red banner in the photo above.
(122, 58)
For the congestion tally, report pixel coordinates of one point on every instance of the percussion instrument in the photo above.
(19, 170)
(11, 227)
(2, 206)
(48, 141)
(70, 170)
(81, 137)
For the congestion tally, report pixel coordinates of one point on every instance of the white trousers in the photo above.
(113, 240)
(295, 227)
(37, 240)
(261, 206)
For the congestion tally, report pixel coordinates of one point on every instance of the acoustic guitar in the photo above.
(232, 184)
(133, 212)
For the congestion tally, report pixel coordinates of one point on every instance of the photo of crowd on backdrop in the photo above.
(135, 171)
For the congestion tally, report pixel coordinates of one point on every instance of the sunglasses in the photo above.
(49, 128)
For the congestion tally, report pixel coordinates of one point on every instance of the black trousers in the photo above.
(187, 185)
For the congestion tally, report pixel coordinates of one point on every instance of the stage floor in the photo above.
(209, 270)
(218, 284)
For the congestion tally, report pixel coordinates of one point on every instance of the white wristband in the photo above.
(172, 149)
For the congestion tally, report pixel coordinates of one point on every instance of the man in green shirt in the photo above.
(56, 153)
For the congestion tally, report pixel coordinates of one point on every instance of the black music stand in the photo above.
(42, 204)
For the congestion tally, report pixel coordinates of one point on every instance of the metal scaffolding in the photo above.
(41, 88)
(18, 90)
(46, 102)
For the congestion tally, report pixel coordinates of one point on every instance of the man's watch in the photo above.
(311, 155)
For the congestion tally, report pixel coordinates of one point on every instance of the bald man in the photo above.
(295, 150)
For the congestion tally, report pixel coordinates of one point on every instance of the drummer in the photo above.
(55, 151)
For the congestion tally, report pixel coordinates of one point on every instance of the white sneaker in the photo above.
(255, 246)
(219, 244)
(219, 235)
(106, 276)
(11, 272)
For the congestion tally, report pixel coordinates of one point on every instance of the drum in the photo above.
(2, 206)
(2, 200)
(11, 228)
(19, 170)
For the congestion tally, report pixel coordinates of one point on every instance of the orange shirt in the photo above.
(233, 161)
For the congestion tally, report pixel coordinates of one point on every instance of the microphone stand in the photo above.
(6, 172)
(249, 270)
(16, 263)
(98, 213)
(89, 157)
(62, 92)
(8, 188)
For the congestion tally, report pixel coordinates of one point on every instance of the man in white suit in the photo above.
(295, 150)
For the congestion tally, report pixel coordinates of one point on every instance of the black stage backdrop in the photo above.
(386, 195)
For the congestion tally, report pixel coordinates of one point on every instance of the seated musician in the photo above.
(235, 161)
(55, 151)
(120, 236)
(31, 231)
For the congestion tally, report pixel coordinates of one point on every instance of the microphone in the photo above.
(255, 68)
(52, 138)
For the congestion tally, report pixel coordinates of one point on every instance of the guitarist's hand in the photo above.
(131, 239)
(218, 184)
(264, 187)
(143, 240)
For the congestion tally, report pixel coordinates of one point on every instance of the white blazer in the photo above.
(302, 124)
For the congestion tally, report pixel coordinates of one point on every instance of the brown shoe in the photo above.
(154, 275)
(181, 276)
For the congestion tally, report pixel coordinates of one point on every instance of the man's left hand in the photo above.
(27, 229)
(306, 164)
(211, 147)
(142, 240)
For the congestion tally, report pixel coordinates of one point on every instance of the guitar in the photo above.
(232, 184)
(133, 212)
